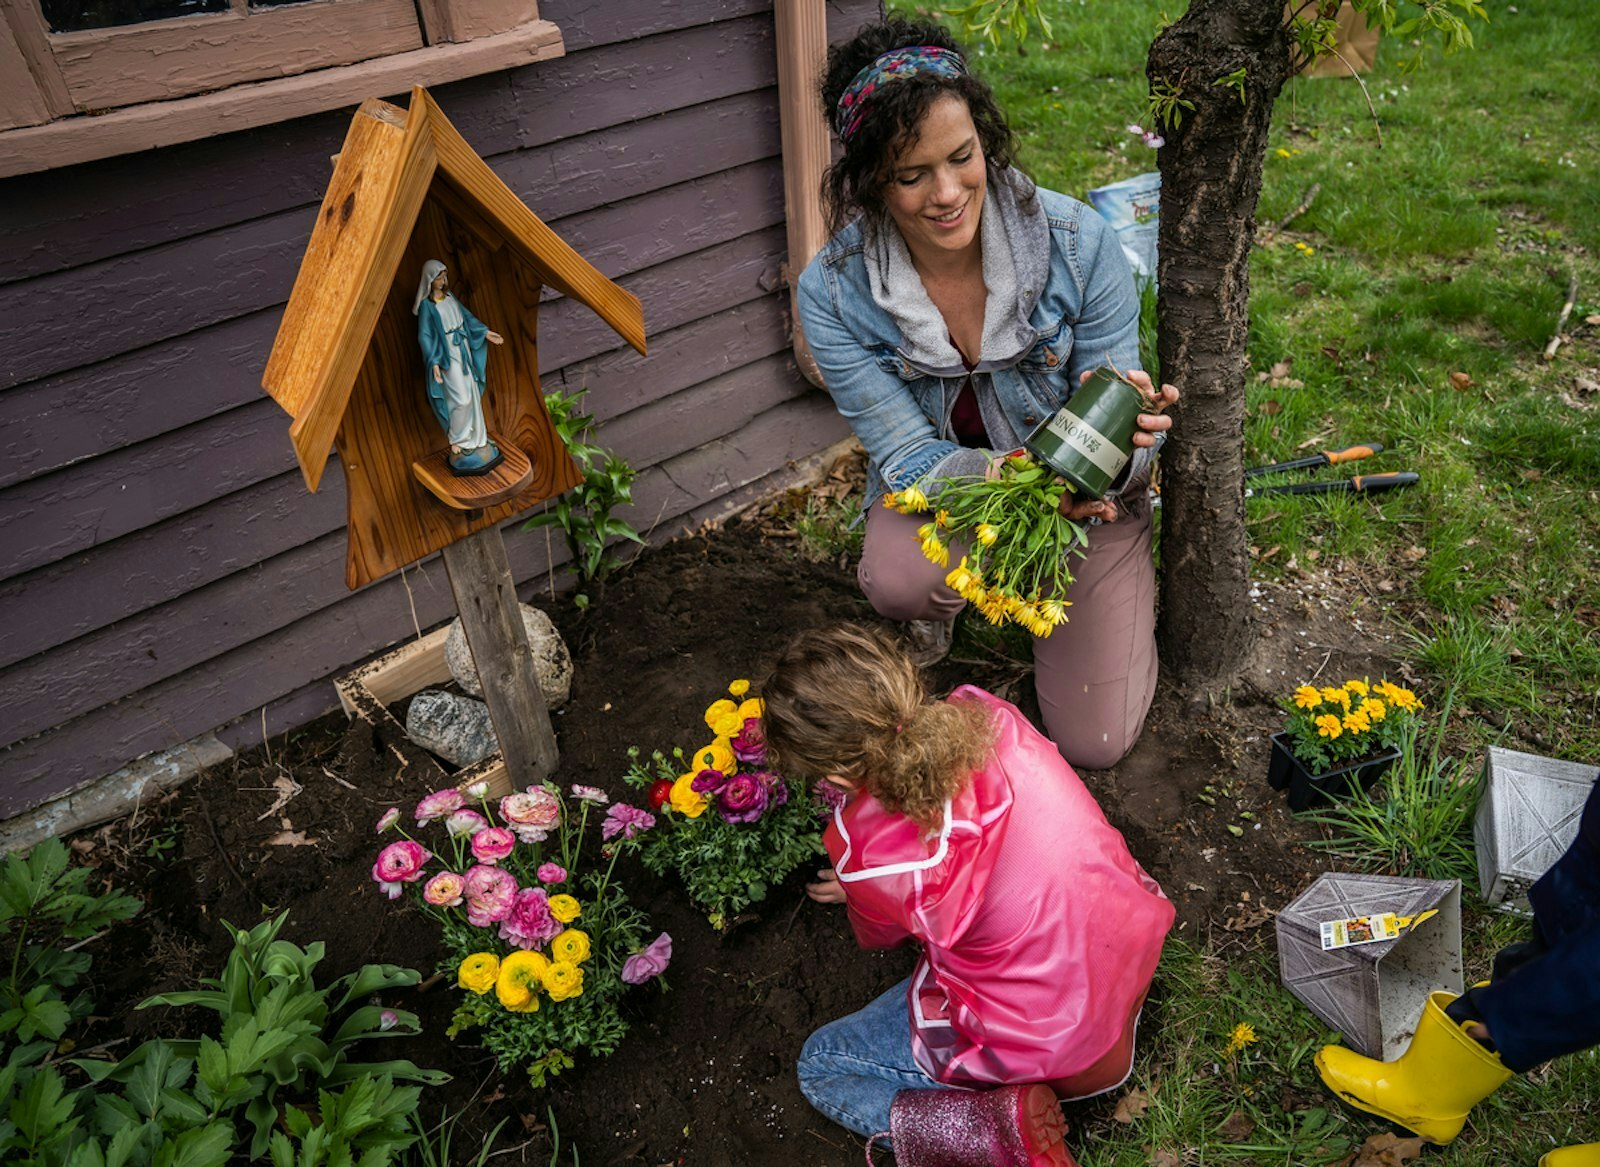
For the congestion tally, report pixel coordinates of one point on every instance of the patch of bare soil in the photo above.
(706, 1076)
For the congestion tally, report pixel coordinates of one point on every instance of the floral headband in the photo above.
(911, 61)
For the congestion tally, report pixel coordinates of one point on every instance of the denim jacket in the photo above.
(1077, 311)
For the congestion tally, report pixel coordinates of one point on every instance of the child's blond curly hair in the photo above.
(846, 700)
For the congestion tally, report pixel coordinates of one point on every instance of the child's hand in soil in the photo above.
(827, 889)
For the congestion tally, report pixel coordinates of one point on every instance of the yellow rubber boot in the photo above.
(1430, 1088)
(1587, 1155)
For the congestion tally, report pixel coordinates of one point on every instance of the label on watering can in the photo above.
(1088, 441)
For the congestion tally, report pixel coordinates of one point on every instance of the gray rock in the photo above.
(458, 729)
(552, 663)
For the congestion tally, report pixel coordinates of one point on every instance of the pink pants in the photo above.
(1095, 674)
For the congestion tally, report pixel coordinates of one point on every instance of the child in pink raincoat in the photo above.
(964, 830)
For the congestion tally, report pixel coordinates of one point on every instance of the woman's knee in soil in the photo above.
(899, 596)
(1089, 751)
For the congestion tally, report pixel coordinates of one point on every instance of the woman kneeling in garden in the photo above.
(962, 827)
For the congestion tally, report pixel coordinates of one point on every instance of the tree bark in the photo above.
(1210, 182)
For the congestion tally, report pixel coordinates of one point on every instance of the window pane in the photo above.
(74, 15)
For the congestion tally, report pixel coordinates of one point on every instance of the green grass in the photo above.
(1446, 251)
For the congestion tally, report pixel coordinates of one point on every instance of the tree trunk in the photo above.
(1210, 182)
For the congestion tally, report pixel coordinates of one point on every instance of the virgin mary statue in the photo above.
(454, 356)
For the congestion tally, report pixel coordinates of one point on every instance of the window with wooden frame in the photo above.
(154, 72)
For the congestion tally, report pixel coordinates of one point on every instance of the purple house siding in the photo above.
(164, 572)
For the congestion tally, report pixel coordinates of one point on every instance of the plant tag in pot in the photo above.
(1367, 929)
(1090, 439)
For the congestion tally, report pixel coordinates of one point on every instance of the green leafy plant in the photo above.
(991, 19)
(367, 1122)
(432, 1148)
(280, 1036)
(1419, 820)
(1330, 726)
(733, 828)
(584, 512)
(1166, 104)
(1234, 81)
(44, 903)
(541, 944)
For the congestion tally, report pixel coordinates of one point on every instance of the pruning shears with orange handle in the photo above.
(1325, 458)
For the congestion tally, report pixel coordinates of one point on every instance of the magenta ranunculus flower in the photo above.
(743, 799)
(652, 962)
(387, 1020)
(464, 822)
(530, 923)
(591, 794)
(551, 873)
(827, 796)
(399, 864)
(708, 782)
(625, 820)
(439, 804)
(444, 890)
(492, 844)
(532, 813)
(490, 893)
(390, 817)
(750, 743)
(777, 788)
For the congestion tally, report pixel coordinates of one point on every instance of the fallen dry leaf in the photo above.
(1532, 475)
(1237, 1127)
(1387, 1150)
(1164, 1159)
(1586, 385)
(1131, 1106)
(287, 788)
(1248, 918)
(1595, 319)
(1271, 408)
(1414, 553)
(291, 839)
(1281, 369)
(1461, 380)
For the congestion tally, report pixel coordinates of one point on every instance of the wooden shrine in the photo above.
(407, 188)
(347, 366)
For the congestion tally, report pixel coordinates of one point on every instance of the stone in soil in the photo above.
(552, 663)
(456, 728)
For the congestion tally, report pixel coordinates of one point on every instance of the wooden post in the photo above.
(486, 597)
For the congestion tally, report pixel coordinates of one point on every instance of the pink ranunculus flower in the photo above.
(750, 743)
(399, 864)
(551, 873)
(529, 923)
(743, 799)
(708, 782)
(387, 1020)
(464, 822)
(444, 890)
(531, 813)
(390, 817)
(439, 804)
(652, 962)
(591, 794)
(490, 892)
(492, 844)
(625, 820)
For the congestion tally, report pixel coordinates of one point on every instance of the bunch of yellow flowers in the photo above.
(1330, 725)
(521, 978)
(1016, 540)
(730, 722)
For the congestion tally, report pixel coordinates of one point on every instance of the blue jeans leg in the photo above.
(852, 1068)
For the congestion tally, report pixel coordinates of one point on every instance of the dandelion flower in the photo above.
(1243, 1034)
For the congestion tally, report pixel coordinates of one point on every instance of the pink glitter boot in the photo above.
(1014, 1126)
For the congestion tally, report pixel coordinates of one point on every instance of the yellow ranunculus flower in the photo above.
(521, 977)
(562, 979)
(748, 708)
(478, 972)
(1357, 687)
(717, 756)
(1328, 726)
(1373, 708)
(686, 801)
(571, 946)
(718, 713)
(1307, 697)
(740, 687)
(565, 908)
